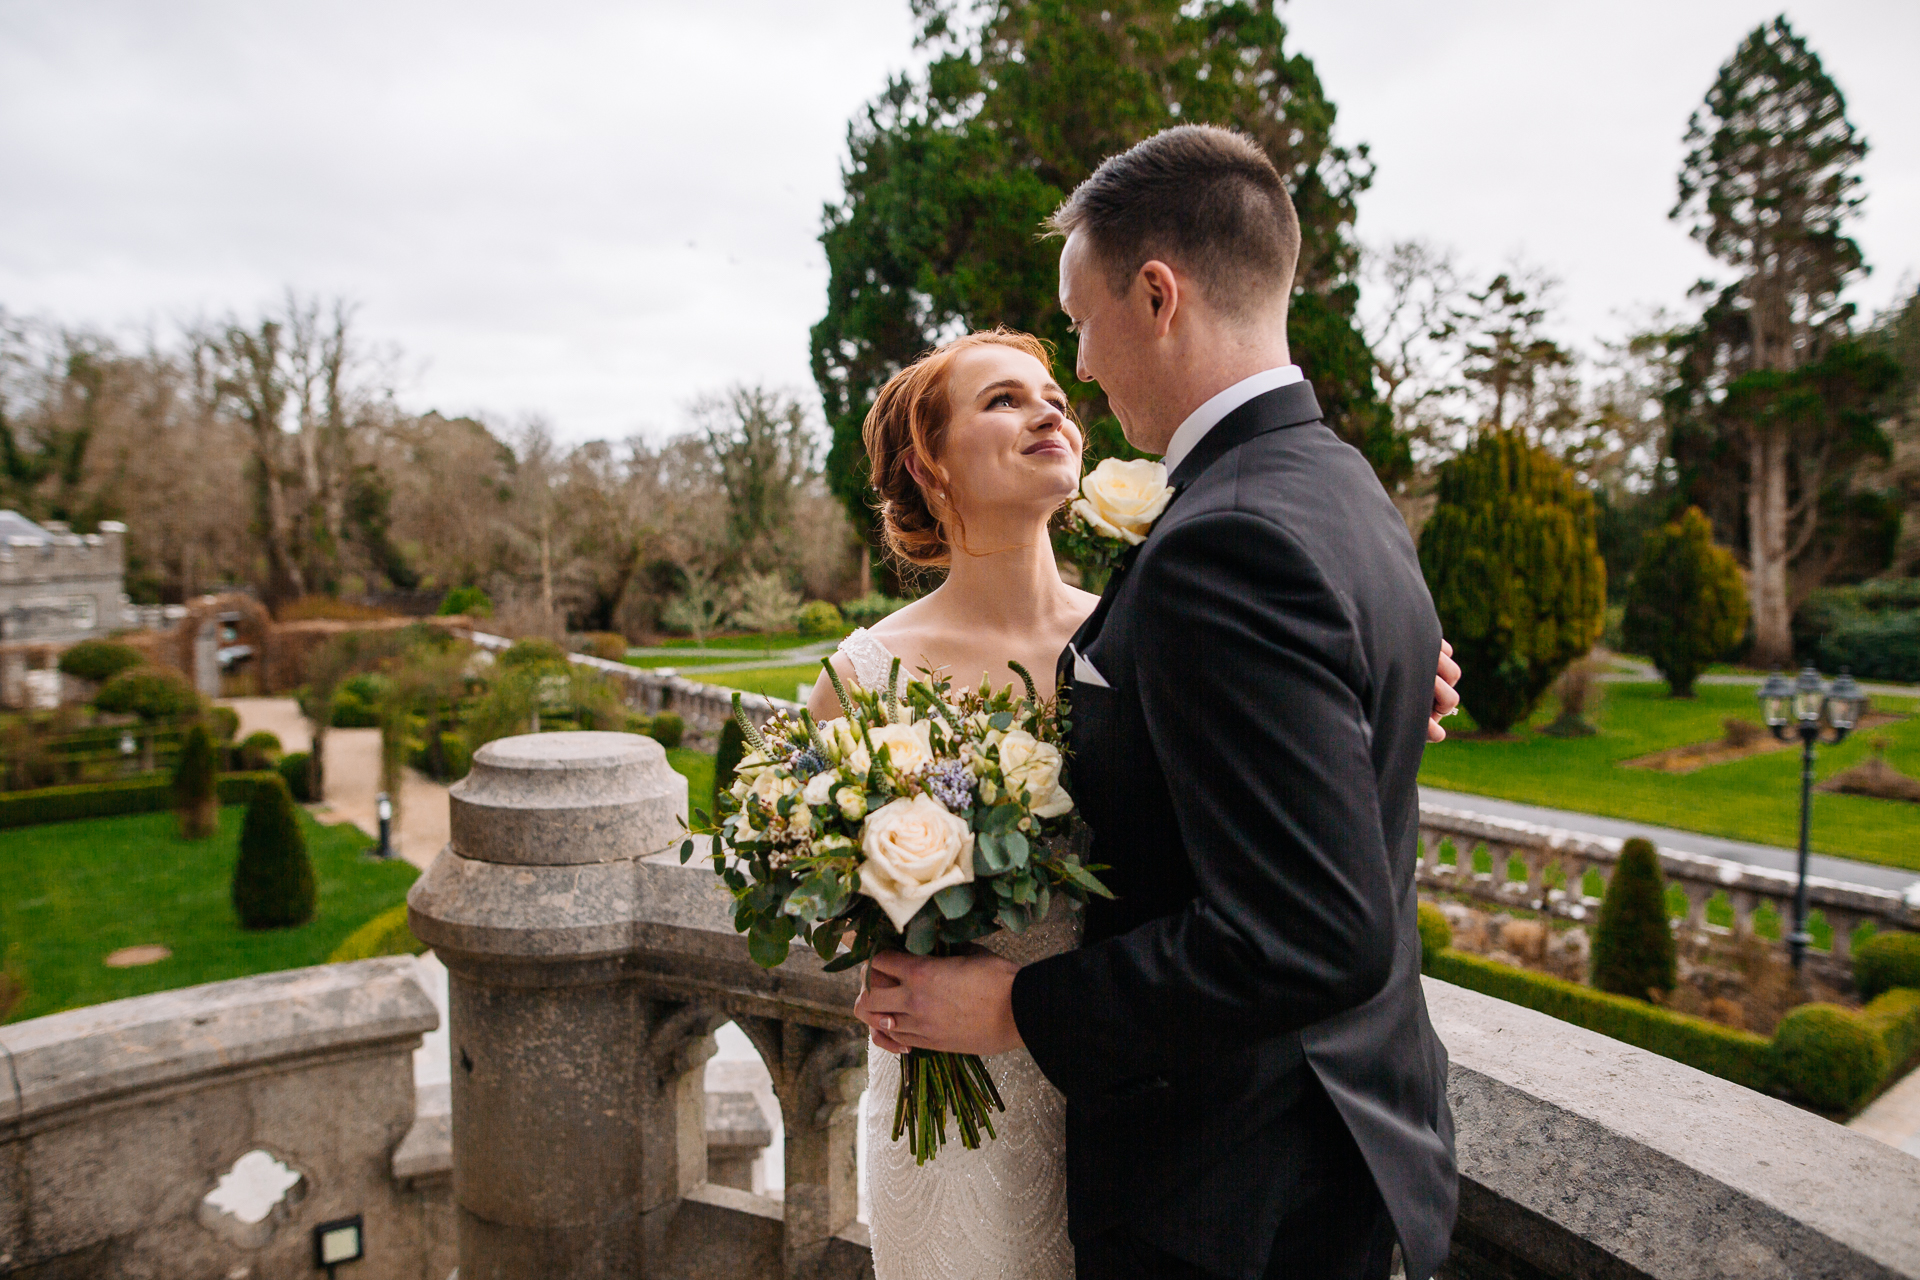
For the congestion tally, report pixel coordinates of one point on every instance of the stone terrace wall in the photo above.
(116, 1120)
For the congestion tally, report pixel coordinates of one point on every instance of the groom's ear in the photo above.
(1163, 292)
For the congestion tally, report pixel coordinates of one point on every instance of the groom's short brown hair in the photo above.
(1205, 199)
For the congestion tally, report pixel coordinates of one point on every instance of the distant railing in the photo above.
(1556, 863)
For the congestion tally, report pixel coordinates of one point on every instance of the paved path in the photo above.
(1641, 673)
(353, 778)
(1894, 1117)
(1759, 855)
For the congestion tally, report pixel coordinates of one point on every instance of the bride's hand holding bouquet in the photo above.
(923, 820)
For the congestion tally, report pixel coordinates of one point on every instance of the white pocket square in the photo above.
(1085, 672)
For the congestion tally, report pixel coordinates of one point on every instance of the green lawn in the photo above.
(770, 642)
(649, 661)
(775, 682)
(73, 892)
(1755, 799)
(697, 766)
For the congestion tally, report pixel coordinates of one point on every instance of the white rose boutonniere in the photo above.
(914, 849)
(1122, 499)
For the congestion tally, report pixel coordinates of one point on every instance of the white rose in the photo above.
(914, 849)
(1030, 764)
(1123, 499)
(909, 746)
(771, 785)
(820, 788)
(751, 766)
(852, 802)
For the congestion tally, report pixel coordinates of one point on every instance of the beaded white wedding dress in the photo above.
(997, 1213)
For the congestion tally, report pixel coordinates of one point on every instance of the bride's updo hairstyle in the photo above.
(909, 420)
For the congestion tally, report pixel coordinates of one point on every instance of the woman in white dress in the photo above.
(973, 449)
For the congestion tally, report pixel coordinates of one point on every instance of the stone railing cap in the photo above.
(90, 1055)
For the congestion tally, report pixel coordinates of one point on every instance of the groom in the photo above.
(1253, 1086)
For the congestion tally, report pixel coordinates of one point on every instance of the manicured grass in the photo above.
(1755, 799)
(73, 892)
(761, 643)
(648, 661)
(775, 682)
(697, 767)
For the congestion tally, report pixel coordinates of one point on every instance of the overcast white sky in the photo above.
(594, 210)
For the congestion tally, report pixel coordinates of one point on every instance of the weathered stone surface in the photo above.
(132, 1111)
(1584, 1156)
(560, 798)
(90, 1055)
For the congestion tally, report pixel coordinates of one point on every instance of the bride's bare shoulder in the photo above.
(1083, 602)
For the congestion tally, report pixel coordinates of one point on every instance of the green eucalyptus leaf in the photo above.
(1017, 849)
(954, 901)
(920, 934)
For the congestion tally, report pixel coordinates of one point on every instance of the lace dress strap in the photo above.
(872, 661)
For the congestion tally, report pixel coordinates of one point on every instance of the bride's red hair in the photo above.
(909, 421)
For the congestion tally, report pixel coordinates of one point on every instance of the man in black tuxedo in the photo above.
(1253, 1086)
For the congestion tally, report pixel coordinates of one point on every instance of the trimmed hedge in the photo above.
(1895, 1017)
(386, 934)
(1436, 935)
(1886, 961)
(1829, 1056)
(150, 794)
(100, 660)
(667, 729)
(296, 770)
(1739, 1056)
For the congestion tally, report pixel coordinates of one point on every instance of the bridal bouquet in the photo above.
(922, 819)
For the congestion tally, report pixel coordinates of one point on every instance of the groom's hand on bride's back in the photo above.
(959, 1004)
(1446, 699)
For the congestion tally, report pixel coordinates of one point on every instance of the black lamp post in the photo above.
(383, 809)
(1804, 708)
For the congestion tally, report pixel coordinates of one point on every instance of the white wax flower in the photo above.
(820, 787)
(914, 849)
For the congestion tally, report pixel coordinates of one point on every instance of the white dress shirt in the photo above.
(1208, 415)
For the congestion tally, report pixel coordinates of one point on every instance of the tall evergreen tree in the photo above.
(1686, 605)
(1512, 559)
(195, 786)
(951, 173)
(1767, 188)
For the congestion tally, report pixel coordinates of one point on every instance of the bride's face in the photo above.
(1009, 442)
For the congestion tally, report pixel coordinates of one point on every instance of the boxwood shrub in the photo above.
(150, 794)
(386, 934)
(1886, 961)
(1895, 1017)
(1436, 935)
(99, 660)
(1829, 1055)
(296, 770)
(1739, 1056)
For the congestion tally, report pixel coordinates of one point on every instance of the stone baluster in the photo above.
(818, 1075)
(578, 1116)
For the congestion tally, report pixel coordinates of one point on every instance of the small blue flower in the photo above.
(951, 784)
(808, 763)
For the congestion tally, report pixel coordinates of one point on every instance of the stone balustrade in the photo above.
(1556, 864)
(119, 1120)
(703, 707)
(588, 969)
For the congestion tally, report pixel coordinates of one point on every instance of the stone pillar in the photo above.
(578, 1114)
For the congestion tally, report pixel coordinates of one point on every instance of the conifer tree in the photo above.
(1686, 604)
(273, 883)
(726, 760)
(1633, 947)
(194, 784)
(1767, 187)
(1512, 558)
(950, 174)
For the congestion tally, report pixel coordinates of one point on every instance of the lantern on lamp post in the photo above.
(1816, 711)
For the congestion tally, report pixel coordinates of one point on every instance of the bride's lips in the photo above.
(1047, 446)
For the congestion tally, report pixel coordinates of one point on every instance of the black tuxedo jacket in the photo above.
(1249, 775)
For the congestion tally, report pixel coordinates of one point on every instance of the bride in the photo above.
(973, 450)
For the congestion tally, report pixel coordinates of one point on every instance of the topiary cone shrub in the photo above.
(726, 760)
(273, 885)
(1512, 557)
(195, 785)
(1686, 602)
(1633, 951)
(296, 769)
(1829, 1056)
(1886, 961)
